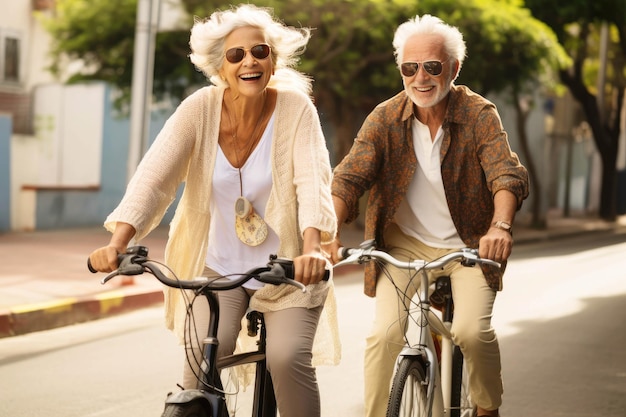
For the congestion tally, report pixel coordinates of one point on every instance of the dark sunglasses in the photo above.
(434, 68)
(260, 51)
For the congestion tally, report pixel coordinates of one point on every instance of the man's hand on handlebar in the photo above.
(332, 250)
(496, 245)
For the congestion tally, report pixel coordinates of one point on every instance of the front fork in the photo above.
(438, 400)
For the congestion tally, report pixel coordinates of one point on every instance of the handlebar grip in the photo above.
(91, 268)
(287, 265)
(94, 271)
(131, 252)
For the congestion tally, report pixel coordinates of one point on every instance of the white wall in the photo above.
(66, 150)
(17, 17)
(68, 129)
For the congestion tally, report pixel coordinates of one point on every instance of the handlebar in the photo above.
(367, 251)
(135, 262)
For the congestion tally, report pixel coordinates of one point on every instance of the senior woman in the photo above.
(251, 152)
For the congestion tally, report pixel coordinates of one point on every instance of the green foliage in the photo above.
(350, 54)
(506, 47)
(576, 24)
(100, 34)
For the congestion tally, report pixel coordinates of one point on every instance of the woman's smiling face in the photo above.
(250, 76)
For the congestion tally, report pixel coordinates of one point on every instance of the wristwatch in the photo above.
(503, 225)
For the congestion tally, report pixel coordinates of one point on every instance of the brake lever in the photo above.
(351, 259)
(276, 275)
(471, 258)
(129, 265)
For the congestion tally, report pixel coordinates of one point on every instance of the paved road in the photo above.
(560, 321)
(44, 282)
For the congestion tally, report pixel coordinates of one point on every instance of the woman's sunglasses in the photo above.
(434, 68)
(260, 51)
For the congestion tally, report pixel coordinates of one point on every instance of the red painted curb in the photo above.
(27, 319)
(66, 312)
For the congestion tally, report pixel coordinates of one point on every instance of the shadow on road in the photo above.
(568, 245)
(572, 366)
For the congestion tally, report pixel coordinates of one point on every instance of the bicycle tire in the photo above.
(192, 409)
(461, 401)
(408, 397)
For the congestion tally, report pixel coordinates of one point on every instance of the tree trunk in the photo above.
(605, 138)
(342, 120)
(537, 220)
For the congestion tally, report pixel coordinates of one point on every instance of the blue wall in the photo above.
(5, 172)
(77, 208)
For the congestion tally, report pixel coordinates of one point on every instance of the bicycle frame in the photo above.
(210, 387)
(440, 372)
(209, 394)
(438, 376)
(209, 384)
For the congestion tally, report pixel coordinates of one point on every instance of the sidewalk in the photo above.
(44, 281)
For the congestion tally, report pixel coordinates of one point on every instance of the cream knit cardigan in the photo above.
(185, 151)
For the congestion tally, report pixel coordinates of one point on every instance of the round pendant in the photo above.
(242, 207)
(250, 228)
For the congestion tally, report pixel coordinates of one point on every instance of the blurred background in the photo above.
(85, 86)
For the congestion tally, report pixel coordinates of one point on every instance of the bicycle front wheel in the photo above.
(192, 409)
(408, 396)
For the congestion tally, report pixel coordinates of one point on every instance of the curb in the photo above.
(50, 315)
(68, 311)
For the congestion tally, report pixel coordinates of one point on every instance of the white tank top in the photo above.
(226, 254)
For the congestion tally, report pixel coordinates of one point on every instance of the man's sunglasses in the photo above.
(434, 68)
(260, 51)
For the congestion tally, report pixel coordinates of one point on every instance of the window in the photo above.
(11, 59)
(10, 50)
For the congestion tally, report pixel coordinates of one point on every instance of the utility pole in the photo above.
(143, 75)
(141, 89)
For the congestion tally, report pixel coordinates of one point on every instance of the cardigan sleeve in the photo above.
(313, 174)
(152, 188)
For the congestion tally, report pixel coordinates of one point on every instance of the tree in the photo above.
(100, 35)
(350, 53)
(576, 24)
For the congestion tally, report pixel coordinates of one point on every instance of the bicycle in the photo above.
(429, 379)
(208, 399)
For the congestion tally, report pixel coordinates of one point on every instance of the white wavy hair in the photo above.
(287, 43)
(454, 44)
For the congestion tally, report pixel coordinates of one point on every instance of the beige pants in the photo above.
(471, 327)
(290, 335)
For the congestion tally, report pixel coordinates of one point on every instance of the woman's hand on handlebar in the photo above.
(105, 259)
(310, 267)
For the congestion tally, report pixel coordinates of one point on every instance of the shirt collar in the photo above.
(452, 115)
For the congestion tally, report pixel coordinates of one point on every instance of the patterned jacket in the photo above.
(476, 162)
